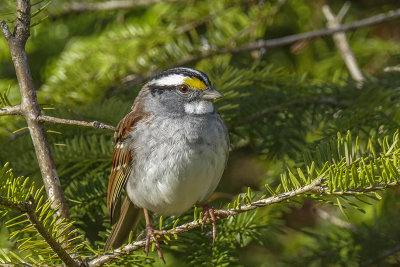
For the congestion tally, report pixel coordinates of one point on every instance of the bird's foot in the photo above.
(151, 234)
(209, 213)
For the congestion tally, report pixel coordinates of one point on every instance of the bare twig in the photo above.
(382, 17)
(341, 41)
(79, 7)
(14, 110)
(318, 33)
(29, 107)
(333, 219)
(392, 69)
(94, 124)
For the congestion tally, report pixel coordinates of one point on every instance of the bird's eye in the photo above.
(184, 88)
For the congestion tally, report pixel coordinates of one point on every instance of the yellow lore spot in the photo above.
(195, 83)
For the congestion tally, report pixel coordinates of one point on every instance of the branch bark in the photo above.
(14, 110)
(391, 69)
(393, 14)
(94, 124)
(341, 42)
(29, 107)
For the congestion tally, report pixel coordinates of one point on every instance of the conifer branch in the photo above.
(314, 187)
(29, 209)
(29, 106)
(277, 42)
(14, 110)
(382, 17)
(12, 205)
(330, 101)
(326, 191)
(220, 214)
(55, 246)
(94, 124)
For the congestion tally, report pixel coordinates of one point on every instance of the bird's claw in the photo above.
(209, 213)
(151, 234)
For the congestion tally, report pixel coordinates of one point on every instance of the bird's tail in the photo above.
(128, 220)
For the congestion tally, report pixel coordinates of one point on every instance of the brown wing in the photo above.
(121, 161)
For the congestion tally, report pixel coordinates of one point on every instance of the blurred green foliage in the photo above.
(278, 104)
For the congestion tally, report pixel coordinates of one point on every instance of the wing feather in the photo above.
(121, 161)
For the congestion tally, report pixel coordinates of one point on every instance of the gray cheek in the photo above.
(172, 103)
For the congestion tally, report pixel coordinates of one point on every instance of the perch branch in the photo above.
(29, 107)
(315, 187)
(341, 41)
(221, 214)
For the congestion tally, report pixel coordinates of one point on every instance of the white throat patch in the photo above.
(199, 107)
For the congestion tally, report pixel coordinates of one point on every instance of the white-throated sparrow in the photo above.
(170, 152)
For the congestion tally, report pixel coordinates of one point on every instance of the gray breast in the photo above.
(177, 161)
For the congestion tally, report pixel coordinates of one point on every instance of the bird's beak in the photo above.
(211, 94)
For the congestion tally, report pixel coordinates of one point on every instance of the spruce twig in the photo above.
(29, 209)
(314, 188)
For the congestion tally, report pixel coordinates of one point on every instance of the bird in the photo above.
(170, 152)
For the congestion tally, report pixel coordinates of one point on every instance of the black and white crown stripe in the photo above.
(176, 76)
